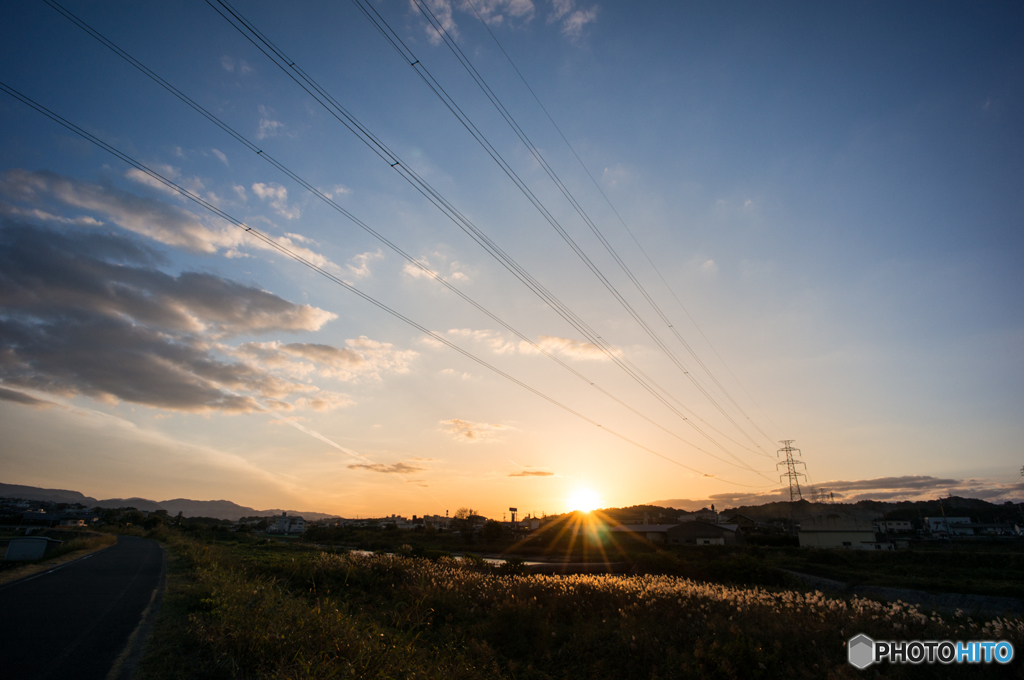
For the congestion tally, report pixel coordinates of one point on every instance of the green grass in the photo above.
(996, 571)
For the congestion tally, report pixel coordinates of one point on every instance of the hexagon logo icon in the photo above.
(861, 651)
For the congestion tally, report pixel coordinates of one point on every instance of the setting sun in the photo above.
(584, 500)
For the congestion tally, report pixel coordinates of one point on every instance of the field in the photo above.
(259, 609)
(977, 568)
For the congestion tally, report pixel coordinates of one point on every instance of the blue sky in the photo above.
(833, 192)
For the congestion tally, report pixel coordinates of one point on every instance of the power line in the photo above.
(380, 237)
(383, 27)
(284, 250)
(634, 238)
(406, 53)
(339, 112)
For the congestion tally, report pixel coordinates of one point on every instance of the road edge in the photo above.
(127, 661)
(50, 568)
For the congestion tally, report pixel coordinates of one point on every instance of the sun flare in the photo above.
(584, 500)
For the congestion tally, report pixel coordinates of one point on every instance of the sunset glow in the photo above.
(584, 500)
(326, 283)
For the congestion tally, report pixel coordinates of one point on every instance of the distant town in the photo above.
(867, 525)
(260, 587)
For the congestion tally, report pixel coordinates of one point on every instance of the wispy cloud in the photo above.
(231, 65)
(499, 344)
(23, 399)
(442, 10)
(360, 358)
(427, 272)
(472, 433)
(338, 190)
(418, 272)
(324, 400)
(496, 12)
(532, 473)
(571, 18)
(462, 374)
(495, 341)
(400, 468)
(908, 487)
(221, 156)
(149, 217)
(573, 349)
(268, 127)
(37, 215)
(613, 176)
(277, 196)
(359, 266)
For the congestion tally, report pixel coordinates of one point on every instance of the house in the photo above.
(889, 526)
(949, 526)
(742, 522)
(288, 525)
(436, 522)
(703, 533)
(655, 533)
(40, 518)
(837, 531)
(702, 515)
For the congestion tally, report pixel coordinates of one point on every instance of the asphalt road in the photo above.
(74, 622)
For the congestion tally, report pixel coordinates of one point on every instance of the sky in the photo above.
(798, 222)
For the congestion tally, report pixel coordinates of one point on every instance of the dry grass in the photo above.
(261, 611)
(69, 551)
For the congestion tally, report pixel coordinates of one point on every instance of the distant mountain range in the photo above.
(188, 508)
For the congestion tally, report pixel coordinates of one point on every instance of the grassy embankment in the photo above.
(247, 609)
(995, 569)
(76, 544)
(976, 568)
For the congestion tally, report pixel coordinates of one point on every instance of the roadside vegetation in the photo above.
(76, 544)
(244, 607)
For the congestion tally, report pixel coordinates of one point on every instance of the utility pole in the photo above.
(790, 469)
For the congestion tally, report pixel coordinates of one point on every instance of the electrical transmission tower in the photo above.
(791, 474)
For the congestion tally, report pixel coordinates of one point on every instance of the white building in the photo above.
(702, 515)
(887, 526)
(837, 531)
(436, 522)
(289, 525)
(949, 526)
